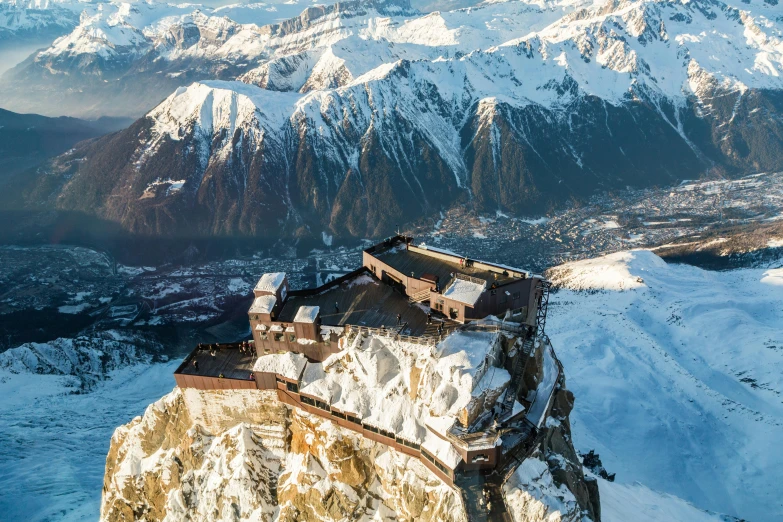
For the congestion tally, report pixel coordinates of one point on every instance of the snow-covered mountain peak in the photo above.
(204, 106)
(619, 271)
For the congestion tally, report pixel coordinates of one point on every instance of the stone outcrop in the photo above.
(551, 485)
(242, 455)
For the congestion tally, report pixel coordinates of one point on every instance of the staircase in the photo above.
(418, 297)
(431, 330)
(483, 498)
(516, 375)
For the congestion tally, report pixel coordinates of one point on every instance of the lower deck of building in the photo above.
(221, 360)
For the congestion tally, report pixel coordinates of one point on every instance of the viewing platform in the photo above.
(358, 349)
(218, 366)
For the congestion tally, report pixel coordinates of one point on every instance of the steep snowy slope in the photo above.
(636, 502)
(508, 106)
(676, 371)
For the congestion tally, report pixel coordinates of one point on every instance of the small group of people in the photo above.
(245, 348)
(211, 347)
(429, 321)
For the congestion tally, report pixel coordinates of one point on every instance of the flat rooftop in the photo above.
(363, 301)
(407, 262)
(228, 360)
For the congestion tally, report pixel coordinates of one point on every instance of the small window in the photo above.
(279, 337)
(292, 387)
(291, 338)
(481, 457)
(263, 336)
(308, 401)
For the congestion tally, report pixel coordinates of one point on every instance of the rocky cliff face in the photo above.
(241, 455)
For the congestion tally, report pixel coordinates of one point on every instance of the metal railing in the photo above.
(419, 296)
(391, 333)
(475, 280)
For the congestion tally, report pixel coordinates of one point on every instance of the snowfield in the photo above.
(637, 503)
(676, 373)
(55, 441)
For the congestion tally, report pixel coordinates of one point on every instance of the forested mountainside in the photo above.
(29, 139)
(351, 125)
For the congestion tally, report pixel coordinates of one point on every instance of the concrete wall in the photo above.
(307, 330)
(448, 305)
(492, 304)
(266, 381)
(473, 459)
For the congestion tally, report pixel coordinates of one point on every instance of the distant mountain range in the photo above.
(123, 58)
(353, 118)
(36, 19)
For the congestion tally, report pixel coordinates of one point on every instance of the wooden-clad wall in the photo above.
(202, 382)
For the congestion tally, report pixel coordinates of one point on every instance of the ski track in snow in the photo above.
(55, 443)
(658, 369)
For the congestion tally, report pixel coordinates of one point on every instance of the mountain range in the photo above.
(351, 119)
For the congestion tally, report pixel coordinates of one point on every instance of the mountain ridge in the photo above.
(331, 141)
